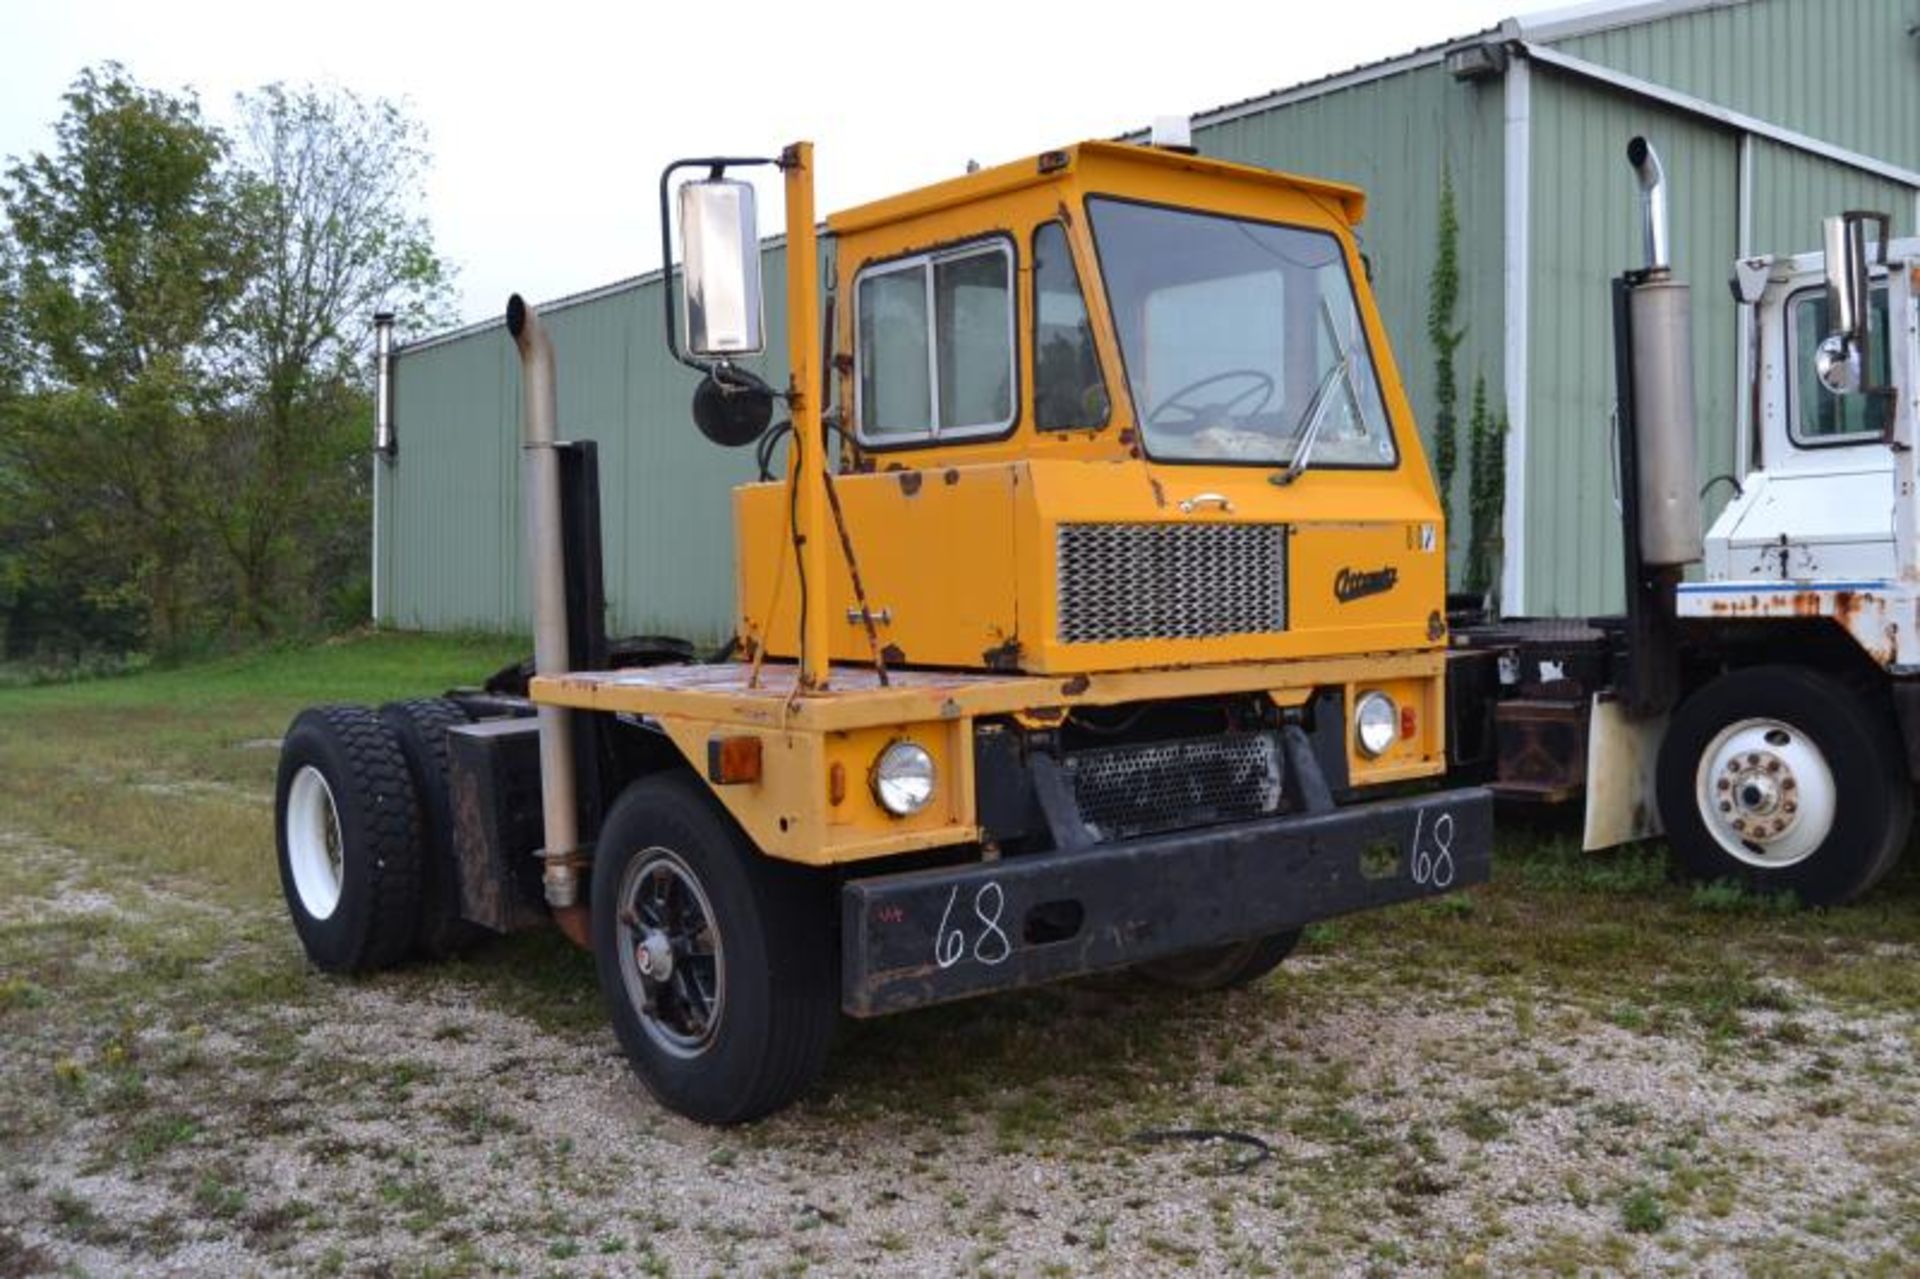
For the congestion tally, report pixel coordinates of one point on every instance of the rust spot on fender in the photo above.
(952, 475)
(1003, 657)
(1076, 686)
(1159, 493)
(910, 482)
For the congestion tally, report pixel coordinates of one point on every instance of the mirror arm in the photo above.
(716, 166)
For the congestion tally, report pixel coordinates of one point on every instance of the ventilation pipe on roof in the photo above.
(383, 441)
(384, 446)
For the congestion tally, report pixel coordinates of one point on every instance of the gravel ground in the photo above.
(247, 1117)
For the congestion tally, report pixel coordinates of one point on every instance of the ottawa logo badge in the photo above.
(1351, 584)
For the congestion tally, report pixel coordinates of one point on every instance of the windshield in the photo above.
(1241, 339)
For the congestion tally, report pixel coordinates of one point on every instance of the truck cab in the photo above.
(1117, 407)
(1091, 617)
(1818, 502)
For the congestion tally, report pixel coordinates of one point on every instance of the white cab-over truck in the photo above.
(1763, 708)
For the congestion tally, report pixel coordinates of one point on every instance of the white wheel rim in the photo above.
(1766, 793)
(315, 850)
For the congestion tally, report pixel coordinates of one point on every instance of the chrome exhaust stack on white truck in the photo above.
(1661, 334)
(1658, 452)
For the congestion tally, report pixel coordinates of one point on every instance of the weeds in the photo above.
(1419, 1072)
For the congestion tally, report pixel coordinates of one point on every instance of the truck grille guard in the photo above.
(1122, 792)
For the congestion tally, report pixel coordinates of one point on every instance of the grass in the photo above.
(157, 1022)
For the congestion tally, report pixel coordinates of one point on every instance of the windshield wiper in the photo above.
(1309, 430)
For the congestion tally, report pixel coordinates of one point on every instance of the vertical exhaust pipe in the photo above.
(1668, 470)
(383, 441)
(384, 446)
(546, 567)
(1653, 203)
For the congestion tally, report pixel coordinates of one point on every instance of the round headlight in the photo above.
(903, 778)
(1376, 722)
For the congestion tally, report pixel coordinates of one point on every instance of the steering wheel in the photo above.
(1198, 415)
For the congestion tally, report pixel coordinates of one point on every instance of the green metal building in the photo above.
(1769, 115)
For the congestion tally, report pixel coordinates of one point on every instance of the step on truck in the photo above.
(1095, 620)
(1759, 700)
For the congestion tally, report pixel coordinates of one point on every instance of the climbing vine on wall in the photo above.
(1443, 302)
(1486, 492)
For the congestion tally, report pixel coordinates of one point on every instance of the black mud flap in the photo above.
(923, 937)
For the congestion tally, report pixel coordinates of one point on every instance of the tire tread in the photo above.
(421, 723)
(380, 792)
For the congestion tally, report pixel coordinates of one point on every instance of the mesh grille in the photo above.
(1126, 791)
(1170, 581)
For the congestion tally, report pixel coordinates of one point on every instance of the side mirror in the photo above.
(1843, 359)
(723, 300)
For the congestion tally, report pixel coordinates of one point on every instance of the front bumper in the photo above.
(924, 937)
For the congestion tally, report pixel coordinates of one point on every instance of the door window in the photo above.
(1819, 418)
(1068, 391)
(935, 348)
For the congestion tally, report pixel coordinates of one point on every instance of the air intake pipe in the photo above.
(1667, 473)
(546, 569)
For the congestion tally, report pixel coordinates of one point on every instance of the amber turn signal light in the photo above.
(732, 761)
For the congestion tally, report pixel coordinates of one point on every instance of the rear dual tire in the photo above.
(419, 728)
(348, 839)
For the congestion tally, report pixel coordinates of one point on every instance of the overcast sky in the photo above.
(550, 122)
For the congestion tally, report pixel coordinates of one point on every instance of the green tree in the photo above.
(123, 267)
(332, 184)
(1443, 302)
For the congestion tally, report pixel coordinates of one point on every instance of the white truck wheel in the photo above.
(1784, 779)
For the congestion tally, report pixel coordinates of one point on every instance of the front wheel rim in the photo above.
(316, 852)
(672, 965)
(1766, 793)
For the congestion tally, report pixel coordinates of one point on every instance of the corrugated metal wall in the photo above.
(1843, 71)
(1393, 137)
(1793, 191)
(450, 527)
(1586, 230)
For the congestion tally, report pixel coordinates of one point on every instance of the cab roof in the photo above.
(1056, 166)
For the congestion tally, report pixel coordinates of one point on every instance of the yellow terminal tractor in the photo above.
(1095, 620)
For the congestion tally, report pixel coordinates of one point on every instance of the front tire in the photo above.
(1785, 780)
(347, 832)
(1225, 967)
(717, 965)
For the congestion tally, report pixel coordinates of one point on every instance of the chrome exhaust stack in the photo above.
(546, 566)
(1653, 203)
(1658, 458)
(1668, 469)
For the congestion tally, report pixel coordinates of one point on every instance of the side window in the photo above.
(935, 345)
(1819, 416)
(1068, 391)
